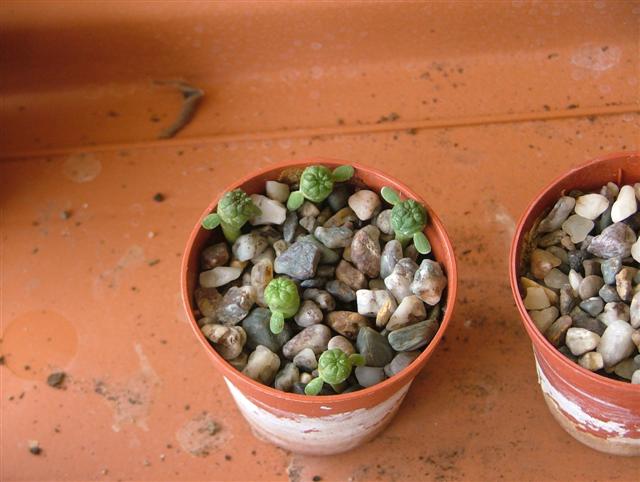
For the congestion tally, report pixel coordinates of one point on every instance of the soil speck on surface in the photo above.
(159, 197)
(34, 447)
(56, 379)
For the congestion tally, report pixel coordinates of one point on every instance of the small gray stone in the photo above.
(377, 284)
(590, 286)
(615, 344)
(391, 254)
(342, 343)
(215, 255)
(289, 227)
(575, 260)
(373, 347)
(235, 305)
(429, 282)
(327, 255)
(563, 207)
(306, 360)
(411, 252)
(317, 282)
(308, 314)
(610, 268)
(341, 291)
(626, 368)
(556, 279)
(287, 377)
(353, 278)
(592, 324)
(347, 323)
(299, 261)
(262, 365)
(383, 221)
(337, 237)
(608, 294)
(256, 325)
(369, 376)
(614, 241)
(400, 362)
(315, 337)
(338, 198)
(227, 340)
(322, 298)
(593, 306)
(365, 251)
(414, 336)
(326, 271)
(239, 362)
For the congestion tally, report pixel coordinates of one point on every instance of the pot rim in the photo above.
(402, 378)
(532, 330)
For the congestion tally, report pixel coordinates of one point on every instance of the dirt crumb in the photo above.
(56, 379)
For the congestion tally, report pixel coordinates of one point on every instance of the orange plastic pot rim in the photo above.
(405, 375)
(514, 256)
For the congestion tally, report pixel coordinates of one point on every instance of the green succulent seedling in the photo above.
(408, 219)
(316, 183)
(334, 367)
(281, 295)
(234, 210)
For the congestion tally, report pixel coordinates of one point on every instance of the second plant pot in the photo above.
(331, 424)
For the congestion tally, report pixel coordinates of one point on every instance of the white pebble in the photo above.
(615, 344)
(590, 206)
(625, 205)
(591, 361)
(635, 250)
(409, 311)
(364, 203)
(577, 228)
(248, 246)
(277, 191)
(272, 212)
(371, 301)
(580, 340)
(635, 378)
(219, 276)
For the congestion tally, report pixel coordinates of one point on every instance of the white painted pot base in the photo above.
(329, 434)
(577, 422)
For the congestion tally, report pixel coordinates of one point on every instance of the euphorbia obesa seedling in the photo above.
(408, 219)
(316, 183)
(234, 210)
(334, 367)
(281, 295)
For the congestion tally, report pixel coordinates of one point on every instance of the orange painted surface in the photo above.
(107, 278)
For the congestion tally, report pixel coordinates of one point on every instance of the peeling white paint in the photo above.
(324, 435)
(573, 410)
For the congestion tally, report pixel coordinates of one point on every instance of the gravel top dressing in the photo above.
(582, 289)
(320, 285)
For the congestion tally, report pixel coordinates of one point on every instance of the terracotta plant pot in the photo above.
(600, 412)
(320, 424)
